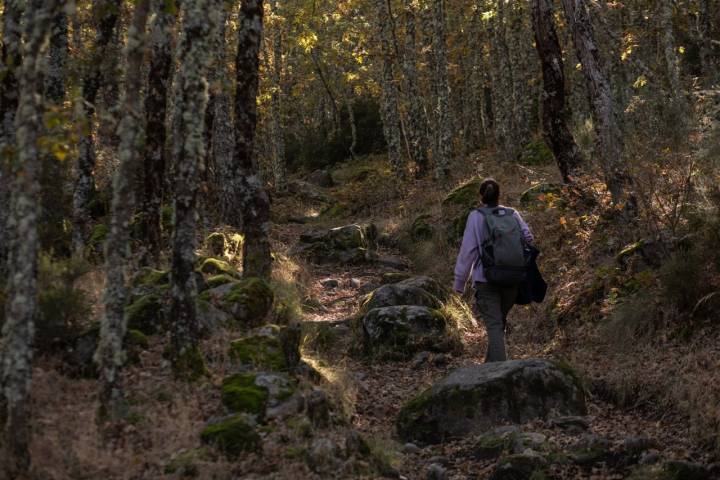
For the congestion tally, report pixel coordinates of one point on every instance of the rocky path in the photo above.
(605, 443)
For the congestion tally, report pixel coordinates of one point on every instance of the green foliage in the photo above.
(232, 436)
(63, 308)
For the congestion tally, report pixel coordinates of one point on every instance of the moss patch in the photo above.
(536, 152)
(217, 280)
(151, 277)
(97, 238)
(466, 195)
(232, 436)
(145, 314)
(215, 244)
(259, 351)
(136, 338)
(240, 394)
(214, 266)
(190, 365)
(249, 301)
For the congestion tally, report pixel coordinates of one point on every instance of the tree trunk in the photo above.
(276, 115)
(353, 126)
(610, 148)
(109, 355)
(156, 108)
(189, 152)
(246, 201)
(389, 92)
(443, 139)
(21, 306)
(11, 59)
(223, 134)
(667, 41)
(554, 110)
(107, 12)
(417, 131)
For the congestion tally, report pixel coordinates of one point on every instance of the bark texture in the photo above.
(443, 134)
(667, 41)
(21, 307)
(246, 201)
(156, 107)
(110, 356)
(11, 59)
(276, 106)
(389, 91)
(609, 139)
(554, 110)
(106, 13)
(416, 126)
(189, 152)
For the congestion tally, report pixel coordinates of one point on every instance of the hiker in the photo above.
(493, 251)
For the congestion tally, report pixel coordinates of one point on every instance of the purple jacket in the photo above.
(470, 250)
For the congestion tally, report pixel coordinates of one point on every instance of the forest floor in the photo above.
(168, 414)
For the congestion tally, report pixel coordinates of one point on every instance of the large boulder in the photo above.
(321, 178)
(248, 301)
(350, 244)
(307, 190)
(398, 332)
(232, 435)
(395, 294)
(476, 398)
(258, 394)
(269, 348)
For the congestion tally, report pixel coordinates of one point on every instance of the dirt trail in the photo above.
(377, 391)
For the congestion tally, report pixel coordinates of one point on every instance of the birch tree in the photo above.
(189, 152)
(246, 201)
(389, 91)
(21, 307)
(609, 139)
(110, 356)
(554, 109)
(106, 14)
(11, 58)
(156, 108)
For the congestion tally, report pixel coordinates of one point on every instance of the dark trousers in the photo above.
(494, 304)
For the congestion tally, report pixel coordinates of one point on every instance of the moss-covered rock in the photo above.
(215, 244)
(530, 465)
(394, 277)
(185, 463)
(215, 266)
(217, 280)
(466, 195)
(96, 240)
(249, 301)
(189, 365)
(146, 314)
(350, 244)
(399, 332)
(400, 293)
(421, 229)
(536, 152)
(472, 399)
(150, 277)
(240, 394)
(542, 196)
(80, 358)
(232, 435)
(262, 349)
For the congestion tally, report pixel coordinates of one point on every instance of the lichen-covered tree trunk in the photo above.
(353, 125)
(189, 152)
(708, 62)
(106, 12)
(522, 63)
(554, 110)
(246, 201)
(443, 135)
(276, 114)
(57, 59)
(416, 126)
(610, 148)
(21, 306)
(223, 134)
(11, 58)
(156, 107)
(389, 91)
(109, 355)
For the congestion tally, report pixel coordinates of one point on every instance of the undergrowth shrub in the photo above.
(63, 308)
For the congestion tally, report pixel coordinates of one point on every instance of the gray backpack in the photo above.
(503, 248)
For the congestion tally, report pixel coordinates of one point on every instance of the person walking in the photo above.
(493, 251)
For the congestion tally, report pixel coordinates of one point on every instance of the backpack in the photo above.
(503, 248)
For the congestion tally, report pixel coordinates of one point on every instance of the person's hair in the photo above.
(490, 191)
